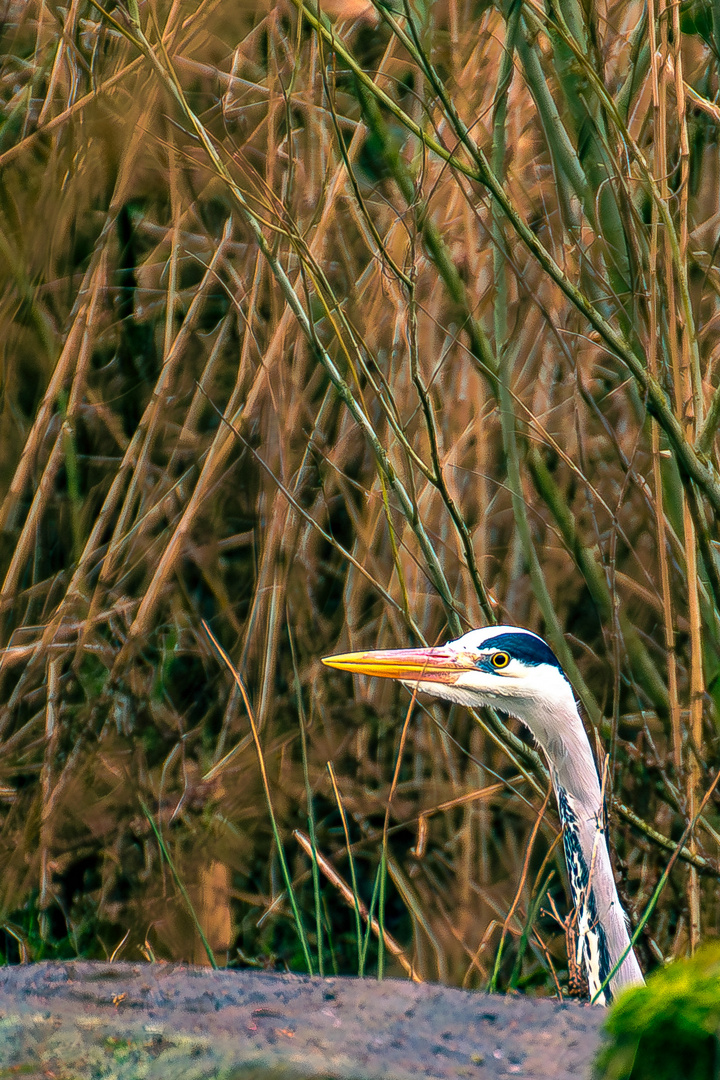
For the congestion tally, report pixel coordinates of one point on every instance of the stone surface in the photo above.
(167, 1022)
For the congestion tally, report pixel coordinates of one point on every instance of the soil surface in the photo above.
(168, 1022)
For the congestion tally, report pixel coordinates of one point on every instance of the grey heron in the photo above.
(514, 670)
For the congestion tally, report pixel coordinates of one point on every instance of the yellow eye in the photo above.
(500, 659)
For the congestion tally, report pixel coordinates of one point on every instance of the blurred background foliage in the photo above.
(669, 1028)
(337, 330)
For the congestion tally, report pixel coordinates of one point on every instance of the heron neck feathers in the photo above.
(601, 922)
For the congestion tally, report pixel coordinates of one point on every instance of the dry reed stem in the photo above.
(353, 901)
(521, 885)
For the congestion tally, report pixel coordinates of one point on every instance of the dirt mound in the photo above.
(125, 1021)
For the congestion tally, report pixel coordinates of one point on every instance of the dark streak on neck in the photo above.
(583, 894)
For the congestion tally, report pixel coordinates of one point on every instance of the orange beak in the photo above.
(408, 665)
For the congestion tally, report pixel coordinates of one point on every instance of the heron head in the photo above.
(503, 666)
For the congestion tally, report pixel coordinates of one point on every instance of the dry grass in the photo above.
(351, 333)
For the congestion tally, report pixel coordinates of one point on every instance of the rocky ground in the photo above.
(133, 1021)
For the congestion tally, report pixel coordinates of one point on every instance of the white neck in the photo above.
(601, 923)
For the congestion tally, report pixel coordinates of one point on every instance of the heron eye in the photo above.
(500, 659)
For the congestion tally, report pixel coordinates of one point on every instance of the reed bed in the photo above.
(351, 328)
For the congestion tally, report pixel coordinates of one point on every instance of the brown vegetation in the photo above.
(343, 333)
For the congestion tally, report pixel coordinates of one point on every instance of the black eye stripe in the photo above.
(525, 647)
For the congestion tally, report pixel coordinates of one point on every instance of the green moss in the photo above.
(669, 1028)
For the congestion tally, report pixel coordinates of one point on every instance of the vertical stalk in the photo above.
(685, 390)
(51, 739)
(381, 914)
(299, 926)
(691, 392)
(353, 876)
(384, 850)
(309, 801)
(695, 724)
(506, 357)
(658, 93)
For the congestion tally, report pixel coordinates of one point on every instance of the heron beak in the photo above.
(408, 665)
